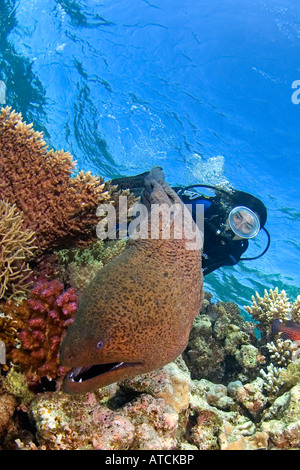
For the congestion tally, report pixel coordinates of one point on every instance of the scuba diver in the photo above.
(231, 219)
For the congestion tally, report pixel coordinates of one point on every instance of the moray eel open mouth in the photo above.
(81, 374)
(87, 378)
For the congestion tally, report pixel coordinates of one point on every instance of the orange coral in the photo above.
(13, 318)
(59, 208)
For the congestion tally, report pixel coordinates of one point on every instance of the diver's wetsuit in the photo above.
(218, 251)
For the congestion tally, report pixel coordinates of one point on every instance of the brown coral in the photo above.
(8, 335)
(16, 246)
(61, 209)
(7, 408)
(81, 265)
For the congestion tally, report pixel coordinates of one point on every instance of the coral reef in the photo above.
(282, 421)
(239, 392)
(16, 247)
(50, 310)
(58, 207)
(219, 343)
(8, 333)
(280, 371)
(102, 421)
(281, 351)
(82, 264)
(273, 305)
(7, 408)
(295, 310)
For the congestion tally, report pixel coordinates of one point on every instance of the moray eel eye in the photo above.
(99, 344)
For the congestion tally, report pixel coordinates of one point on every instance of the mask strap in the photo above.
(265, 250)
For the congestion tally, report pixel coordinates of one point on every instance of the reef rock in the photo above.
(251, 397)
(170, 383)
(214, 429)
(147, 412)
(282, 420)
(65, 423)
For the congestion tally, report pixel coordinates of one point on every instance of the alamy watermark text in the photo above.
(159, 221)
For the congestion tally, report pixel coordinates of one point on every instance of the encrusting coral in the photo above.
(282, 420)
(58, 207)
(82, 264)
(17, 246)
(219, 343)
(7, 408)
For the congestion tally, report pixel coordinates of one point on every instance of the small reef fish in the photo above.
(289, 329)
(136, 314)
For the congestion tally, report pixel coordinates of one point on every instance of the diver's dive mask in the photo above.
(225, 230)
(244, 222)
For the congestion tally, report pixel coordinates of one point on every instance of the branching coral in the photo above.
(281, 351)
(50, 311)
(16, 246)
(273, 381)
(271, 306)
(295, 312)
(13, 317)
(61, 209)
(275, 306)
(8, 334)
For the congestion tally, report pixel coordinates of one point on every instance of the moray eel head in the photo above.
(95, 366)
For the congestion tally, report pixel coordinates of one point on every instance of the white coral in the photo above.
(271, 306)
(281, 351)
(272, 380)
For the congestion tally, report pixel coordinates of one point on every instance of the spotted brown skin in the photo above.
(136, 315)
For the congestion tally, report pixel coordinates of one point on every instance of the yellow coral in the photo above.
(295, 313)
(83, 264)
(16, 246)
(81, 276)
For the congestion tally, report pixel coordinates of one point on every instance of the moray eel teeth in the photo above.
(86, 378)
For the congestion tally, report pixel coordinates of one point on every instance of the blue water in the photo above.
(202, 88)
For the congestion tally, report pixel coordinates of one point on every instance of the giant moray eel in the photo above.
(136, 314)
